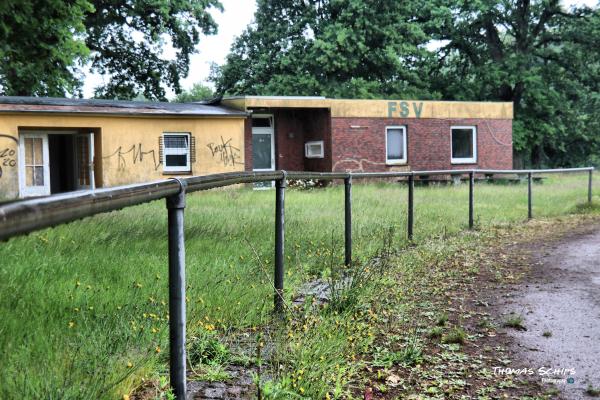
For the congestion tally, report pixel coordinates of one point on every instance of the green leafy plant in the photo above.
(515, 321)
(206, 348)
(456, 335)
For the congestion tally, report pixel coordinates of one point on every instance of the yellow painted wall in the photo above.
(383, 108)
(130, 145)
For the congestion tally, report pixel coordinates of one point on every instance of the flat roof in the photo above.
(22, 104)
(368, 108)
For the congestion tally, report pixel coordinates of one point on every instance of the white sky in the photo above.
(236, 16)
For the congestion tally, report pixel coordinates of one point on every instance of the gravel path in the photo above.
(560, 303)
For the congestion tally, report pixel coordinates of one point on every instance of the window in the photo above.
(314, 149)
(464, 144)
(261, 122)
(395, 145)
(176, 152)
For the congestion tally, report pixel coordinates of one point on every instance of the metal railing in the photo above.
(26, 216)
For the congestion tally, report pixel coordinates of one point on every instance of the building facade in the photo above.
(50, 146)
(319, 134)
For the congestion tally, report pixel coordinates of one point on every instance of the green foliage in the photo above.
(206, 348)
(515, 321)
(41, 41)
(593, 392)
(95, 291)
(44, 44)
(537, 54)
(436, 332)
(342, 48)
(442, 319)
(126, 38)
(456, 335)
(411, 354)
(198, 92)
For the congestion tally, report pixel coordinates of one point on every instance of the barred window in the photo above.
(176, 152)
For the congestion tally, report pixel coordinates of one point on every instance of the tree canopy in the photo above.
(535, 53)
(41, 43)
(341, 48)
(135, 63)
(198, 92)
(44, 44)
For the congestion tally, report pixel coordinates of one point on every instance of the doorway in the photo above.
(53, 162)
(263, 147)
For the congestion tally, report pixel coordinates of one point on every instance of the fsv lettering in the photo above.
(402, 109)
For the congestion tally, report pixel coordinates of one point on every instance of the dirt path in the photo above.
(559, 300)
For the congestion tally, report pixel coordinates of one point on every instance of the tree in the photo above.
(126, 38)
(45, 43)
(536, 54)
(41, 43)
(339, 48)
(198, 92)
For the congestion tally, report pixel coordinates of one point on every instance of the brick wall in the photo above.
(289, 139)
(359, 143)
(318, 127)
(293, 128)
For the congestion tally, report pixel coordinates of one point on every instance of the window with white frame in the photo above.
(176, 152)
(314, 149)
(464, 144)
(395, 145)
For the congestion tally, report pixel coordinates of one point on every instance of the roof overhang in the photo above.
(44, 105)
(346, 108)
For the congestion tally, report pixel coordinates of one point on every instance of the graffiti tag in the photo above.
(136, 154)
(227, 153)
(7, 155)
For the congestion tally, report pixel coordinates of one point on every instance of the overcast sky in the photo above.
(236, 16)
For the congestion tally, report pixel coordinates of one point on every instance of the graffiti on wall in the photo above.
(360, 164)
(225, 152)
(135, 155)
(8, 156)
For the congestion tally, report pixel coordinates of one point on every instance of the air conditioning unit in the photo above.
(314, 149)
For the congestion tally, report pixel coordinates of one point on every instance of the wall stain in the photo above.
(360, 164)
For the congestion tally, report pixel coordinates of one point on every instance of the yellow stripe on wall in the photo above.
(383, 108)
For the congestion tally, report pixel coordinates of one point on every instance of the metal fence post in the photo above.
(529, 210)
(348, 220)
(175, 207)
(471, 185)
(590, 185)
(411, 189)
(280, 185)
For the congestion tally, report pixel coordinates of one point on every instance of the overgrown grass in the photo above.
(84, 306)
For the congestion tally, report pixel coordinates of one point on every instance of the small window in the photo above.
(395, 145)
(261, 122)
(176, 152)
(464, 144)
(314, 149)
